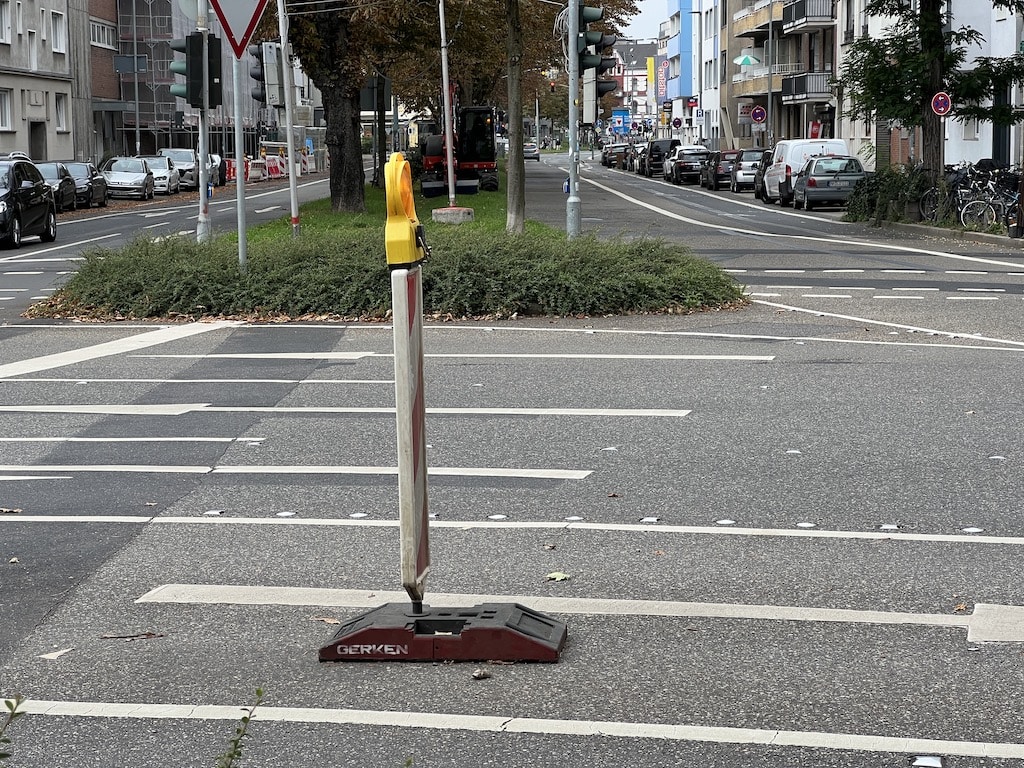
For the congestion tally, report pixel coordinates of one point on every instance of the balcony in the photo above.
(807, 87)
(752, 20)
(808, 16)
(755, 82)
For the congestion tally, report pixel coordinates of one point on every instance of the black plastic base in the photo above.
(486, 632)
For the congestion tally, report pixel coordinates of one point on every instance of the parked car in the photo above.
(688, 163)
(744, 168)
(187, 163)
(531, 151)
(718, 168)
(166, 177)
(90, 185)
(130, 177)
(640, 159)
(657, 151)
(827, 180)
(788, 157)
(614, 155)
(762, 166)
(60, 179)
(26, 203)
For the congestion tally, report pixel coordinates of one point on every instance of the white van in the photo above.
(788, 157)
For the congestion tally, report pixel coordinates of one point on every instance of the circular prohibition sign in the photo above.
(941, 103)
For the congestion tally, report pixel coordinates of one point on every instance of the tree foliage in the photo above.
(895, 76)
(340, 45)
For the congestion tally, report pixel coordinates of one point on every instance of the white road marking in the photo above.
(983, 290)
(508, 723)
(460, 355)
(826, 296)
(696, 530)
(179, 409)
(73, 380)
(897, 297)
(972, 298)
(972, 336)
(167, 469)
(34, 477)
(802, 238)
(106, 349)
(23, 273)
(989, 623)
(268, 210)
(192, 439)
(62, 247)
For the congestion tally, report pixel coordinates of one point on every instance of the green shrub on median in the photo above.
(336, 269)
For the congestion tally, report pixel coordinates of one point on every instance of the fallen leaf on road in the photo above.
(960, 607)
(481, 674)
(13, 560)
(55, 654)
(8, 511)
(558, 576)
(613, 495)
(326, 619)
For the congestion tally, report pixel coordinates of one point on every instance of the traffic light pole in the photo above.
(572, 204)
(203, 232)
(287, 74)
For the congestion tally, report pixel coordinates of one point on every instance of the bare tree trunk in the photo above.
(344, 147)
(515, 221)
(932, 134)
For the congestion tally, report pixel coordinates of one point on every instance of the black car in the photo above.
(90, 186)
(26, 203)
(63, 183)
(718, 168)
(657, 151)
(766, 160)
(688, 165)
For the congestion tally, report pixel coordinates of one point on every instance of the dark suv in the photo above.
(657, 151)
(27, 206)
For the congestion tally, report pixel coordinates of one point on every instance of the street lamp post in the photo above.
(771, 72)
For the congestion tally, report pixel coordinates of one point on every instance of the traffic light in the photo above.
(192, 68)
(257, 71)
(589, 46)
(267, 73)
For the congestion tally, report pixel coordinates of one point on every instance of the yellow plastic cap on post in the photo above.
(400, 244)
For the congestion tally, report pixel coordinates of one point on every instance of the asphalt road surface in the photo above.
(791, 531)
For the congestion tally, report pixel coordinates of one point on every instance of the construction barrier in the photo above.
(276, 167)
(232, 169)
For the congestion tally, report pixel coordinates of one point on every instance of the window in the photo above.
(971, 130)
(58, 32)
(60, 109)
(6, 97)
(19, 18)
(42, 23)
(102, 34)
(5, 21)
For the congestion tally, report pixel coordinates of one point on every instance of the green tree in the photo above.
(895, 76)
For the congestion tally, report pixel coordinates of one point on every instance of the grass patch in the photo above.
(336, 269)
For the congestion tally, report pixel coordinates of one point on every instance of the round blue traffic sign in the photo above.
(941, 103)
(758, 114)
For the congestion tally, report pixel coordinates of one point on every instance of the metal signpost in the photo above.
(239, 19)
(396, 632)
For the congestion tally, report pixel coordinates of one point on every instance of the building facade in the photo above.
(36, 85)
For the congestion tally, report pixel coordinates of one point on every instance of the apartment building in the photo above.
(35, 78)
